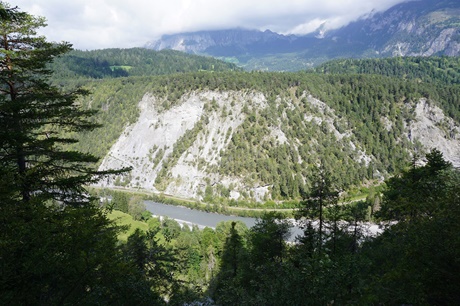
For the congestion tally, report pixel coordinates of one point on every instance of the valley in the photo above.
(122, 170)
(261, 145)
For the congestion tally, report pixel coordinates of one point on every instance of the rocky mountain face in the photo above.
(413, 28)
(223, 42)
(180, 150)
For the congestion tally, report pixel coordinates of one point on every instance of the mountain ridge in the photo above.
(413, 28)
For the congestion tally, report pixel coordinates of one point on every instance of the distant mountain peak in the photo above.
(202, 41)
(411, 28)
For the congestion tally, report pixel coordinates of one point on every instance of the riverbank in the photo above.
(223, 209)
(229, 208)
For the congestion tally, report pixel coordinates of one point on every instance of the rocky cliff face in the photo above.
(178, 151)
(415, 28)
(435, 130)
(147, 145)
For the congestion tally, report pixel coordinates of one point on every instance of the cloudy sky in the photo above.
(96, 24)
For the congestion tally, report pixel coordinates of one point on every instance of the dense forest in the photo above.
(440, 70)
(64, 243)
(112, 63)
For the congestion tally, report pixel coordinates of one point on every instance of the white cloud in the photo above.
(94, 24)
(308, 27)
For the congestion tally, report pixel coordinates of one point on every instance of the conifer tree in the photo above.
(416, 193)
(38, 119)
(312, 208)
(56, 245)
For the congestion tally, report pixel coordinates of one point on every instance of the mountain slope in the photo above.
(415, 28)
(223, 42)
(257, 136)
(110, 63)
(442, 71)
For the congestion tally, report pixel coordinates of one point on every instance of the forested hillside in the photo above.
(442, 71)
(256, 136)
(110, 63)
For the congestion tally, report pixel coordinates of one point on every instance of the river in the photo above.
(199, 218)
(190, 216)
(203, 219)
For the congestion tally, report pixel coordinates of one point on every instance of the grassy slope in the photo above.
(123, 219)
